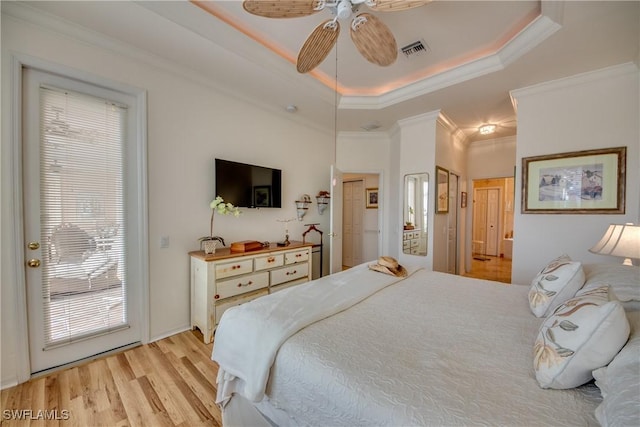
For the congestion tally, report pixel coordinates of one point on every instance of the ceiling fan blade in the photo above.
(396, 5)
(317, 46)
(282, 8)
(374, 40)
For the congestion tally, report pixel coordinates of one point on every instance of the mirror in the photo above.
(416, 204)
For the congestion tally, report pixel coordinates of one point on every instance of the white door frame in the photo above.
(15, 215)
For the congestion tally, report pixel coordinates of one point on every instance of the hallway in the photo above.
(494, 268)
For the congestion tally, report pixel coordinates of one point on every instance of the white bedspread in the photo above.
(434, 349)
(249, 336)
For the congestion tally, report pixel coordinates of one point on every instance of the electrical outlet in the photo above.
(164, 242)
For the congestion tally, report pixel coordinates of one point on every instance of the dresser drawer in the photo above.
(232, 302)
(406, 244)
(294, 272)
(265, 262)
(240, 285)
(298, 256)
(234, 268)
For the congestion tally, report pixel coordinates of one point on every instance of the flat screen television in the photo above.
(248, 186)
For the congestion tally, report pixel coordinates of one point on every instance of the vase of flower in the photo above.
(209, 246)
(208, 243)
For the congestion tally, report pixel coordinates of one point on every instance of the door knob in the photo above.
(33, 263)
(33, 245)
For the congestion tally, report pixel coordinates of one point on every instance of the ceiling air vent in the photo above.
(414, 49)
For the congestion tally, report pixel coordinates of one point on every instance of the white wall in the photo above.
(491, 158)
(588, 111)
(417, 155)
(368, 152)
(189, 123)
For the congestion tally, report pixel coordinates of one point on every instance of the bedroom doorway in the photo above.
(492, 228)
(82, 293)
(359, 219)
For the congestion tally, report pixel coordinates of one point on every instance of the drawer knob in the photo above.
(216, 296)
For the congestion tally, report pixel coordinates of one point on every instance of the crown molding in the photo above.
(452, 128)
(419, 119)
(541, 28)
(23, 14)
(578, 79)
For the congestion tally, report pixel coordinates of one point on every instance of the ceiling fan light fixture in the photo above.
(343, 10)
(487, 129)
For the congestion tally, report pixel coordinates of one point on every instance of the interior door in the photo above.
(335, 221)
(80, 301)
(486, 214)
(479, 221)
(352, 222)
(493, 221)
(452, 244)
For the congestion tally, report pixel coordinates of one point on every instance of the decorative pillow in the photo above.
(623, 279)
(583, 334)
(555, 284)
(620, 383)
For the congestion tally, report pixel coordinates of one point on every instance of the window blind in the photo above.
(82, 215)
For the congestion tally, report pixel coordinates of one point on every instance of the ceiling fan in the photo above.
(371, 36)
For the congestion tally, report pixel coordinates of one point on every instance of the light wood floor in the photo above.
(171, 382)
(494, 268)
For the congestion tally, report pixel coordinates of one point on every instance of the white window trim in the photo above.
(18, 62)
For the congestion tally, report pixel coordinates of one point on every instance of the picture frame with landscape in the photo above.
(579, 182)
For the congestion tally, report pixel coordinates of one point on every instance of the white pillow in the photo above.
(556, 283)
(620, 382)
(583, 334)
(623, 279)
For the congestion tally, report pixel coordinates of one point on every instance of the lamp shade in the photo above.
(622, 240)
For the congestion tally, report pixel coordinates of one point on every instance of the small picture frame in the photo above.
(442, 190)
(262, 196)
(372, 198)
(579, 182)
(463, 199)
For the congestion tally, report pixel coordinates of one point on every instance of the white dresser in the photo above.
(225, 279)
(411, 241)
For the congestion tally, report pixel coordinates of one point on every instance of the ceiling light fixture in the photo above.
(370, 126)
(487, 129)
(292, 108)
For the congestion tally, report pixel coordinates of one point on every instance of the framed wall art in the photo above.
(442, 190)
(262, 196)
(463, 199)
(579, 182)
(372, 198)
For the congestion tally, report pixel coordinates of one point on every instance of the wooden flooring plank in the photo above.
(172, 405)
(136, 362)
(182, 387)
(116, 408)
(168, 383)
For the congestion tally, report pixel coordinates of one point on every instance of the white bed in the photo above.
(432, 349)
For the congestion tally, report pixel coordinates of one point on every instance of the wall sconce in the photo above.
(302, 206)
(487, 129)
(323, 198)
